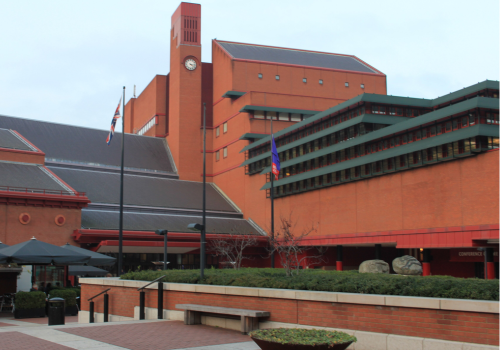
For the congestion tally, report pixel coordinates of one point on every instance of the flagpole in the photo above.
(272, 196)
(120, 234)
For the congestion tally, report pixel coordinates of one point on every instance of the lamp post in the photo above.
(200, 228)
(163, 233)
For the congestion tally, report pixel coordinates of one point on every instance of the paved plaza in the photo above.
(134, 335)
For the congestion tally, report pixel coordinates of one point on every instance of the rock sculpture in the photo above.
(374, 266)
(407, 265)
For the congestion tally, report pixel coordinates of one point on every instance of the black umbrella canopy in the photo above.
(86, 271)
(3, 258)
(3, 245)
(34, 252)
(96, 259)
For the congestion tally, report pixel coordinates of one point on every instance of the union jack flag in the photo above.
(113, 123)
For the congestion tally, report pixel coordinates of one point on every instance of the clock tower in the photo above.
(185, 92)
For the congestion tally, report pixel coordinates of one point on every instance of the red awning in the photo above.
(147, 247)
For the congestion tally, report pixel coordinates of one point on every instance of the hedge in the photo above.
(30, 300)
(334, 281)
(67, 294)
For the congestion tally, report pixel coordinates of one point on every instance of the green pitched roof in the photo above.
(364, 118)
(386, 99)
(249, 108)
(477, 102)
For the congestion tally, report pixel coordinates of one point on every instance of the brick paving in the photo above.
(3, 324)
(166, 335)
(20, 341)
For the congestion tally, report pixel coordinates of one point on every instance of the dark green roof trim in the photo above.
(233, 94)
(481, 102)
(249, 108)
(364, 118)
(482, 129)
(487, 84)
(396, 100)
(252, 136)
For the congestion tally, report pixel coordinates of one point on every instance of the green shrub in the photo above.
(299, 336)
(334, 281)
(67, 294)
(30, 300)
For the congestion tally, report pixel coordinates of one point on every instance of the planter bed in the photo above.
(29, 313)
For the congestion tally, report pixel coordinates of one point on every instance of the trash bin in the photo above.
(56, 311)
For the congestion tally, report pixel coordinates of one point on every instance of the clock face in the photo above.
(190, 64)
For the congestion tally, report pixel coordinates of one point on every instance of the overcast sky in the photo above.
(67, 61)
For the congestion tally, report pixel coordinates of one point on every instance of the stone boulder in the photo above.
(407, 265)
(374, 266)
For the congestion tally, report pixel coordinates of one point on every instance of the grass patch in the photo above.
(299, 336)
(334, 281)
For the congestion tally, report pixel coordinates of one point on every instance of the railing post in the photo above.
(142, 302)
(106, 312)
(160, 300)
(91, 312)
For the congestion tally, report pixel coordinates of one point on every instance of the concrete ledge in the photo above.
(351, 298)
(83, 317)
(421, 303)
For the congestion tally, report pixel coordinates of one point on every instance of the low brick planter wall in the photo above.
(456, 320)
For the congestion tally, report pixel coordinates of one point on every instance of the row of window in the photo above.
(281, 116)
(363, 149)
(224, 129)
(334, 120)
(146, 127)
(429, 156)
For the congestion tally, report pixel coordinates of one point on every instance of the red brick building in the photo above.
(379, 176)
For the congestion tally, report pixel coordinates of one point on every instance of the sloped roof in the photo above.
(9, 139)
(109, 220)
(85, 145)
(295, 57)
(33, 176)
(104, 187)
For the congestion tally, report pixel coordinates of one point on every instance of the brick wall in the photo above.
(461, 326)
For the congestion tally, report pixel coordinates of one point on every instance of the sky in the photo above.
(67, 61)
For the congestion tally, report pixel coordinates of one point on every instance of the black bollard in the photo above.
(142, 304)
(160, 301)
(106, 311)
(91, 312)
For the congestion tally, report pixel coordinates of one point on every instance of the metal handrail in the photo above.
(150, 283)
(99, 294)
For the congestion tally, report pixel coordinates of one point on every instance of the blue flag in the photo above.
(275, 159)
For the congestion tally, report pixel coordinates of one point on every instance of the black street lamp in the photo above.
(164, 233)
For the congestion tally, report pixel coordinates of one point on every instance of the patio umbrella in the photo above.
(3, 258)
(96, 259)
(86, 271)
(35, 252)
(3, 245)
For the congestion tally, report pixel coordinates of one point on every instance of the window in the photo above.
(346, 84)
(283, 116)
(260, 75)
(224, 127)
(321, 82)
(217, 131)
(258, 114)
(270, 115)
(217, 156)
(224, 152)
(304, 80)
(362, 86)
(277, 77)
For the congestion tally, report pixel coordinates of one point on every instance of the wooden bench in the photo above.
(249, 318)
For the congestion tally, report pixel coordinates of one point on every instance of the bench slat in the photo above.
(223, 310)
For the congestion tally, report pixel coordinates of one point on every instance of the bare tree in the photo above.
(231, 247)
(288, 246)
